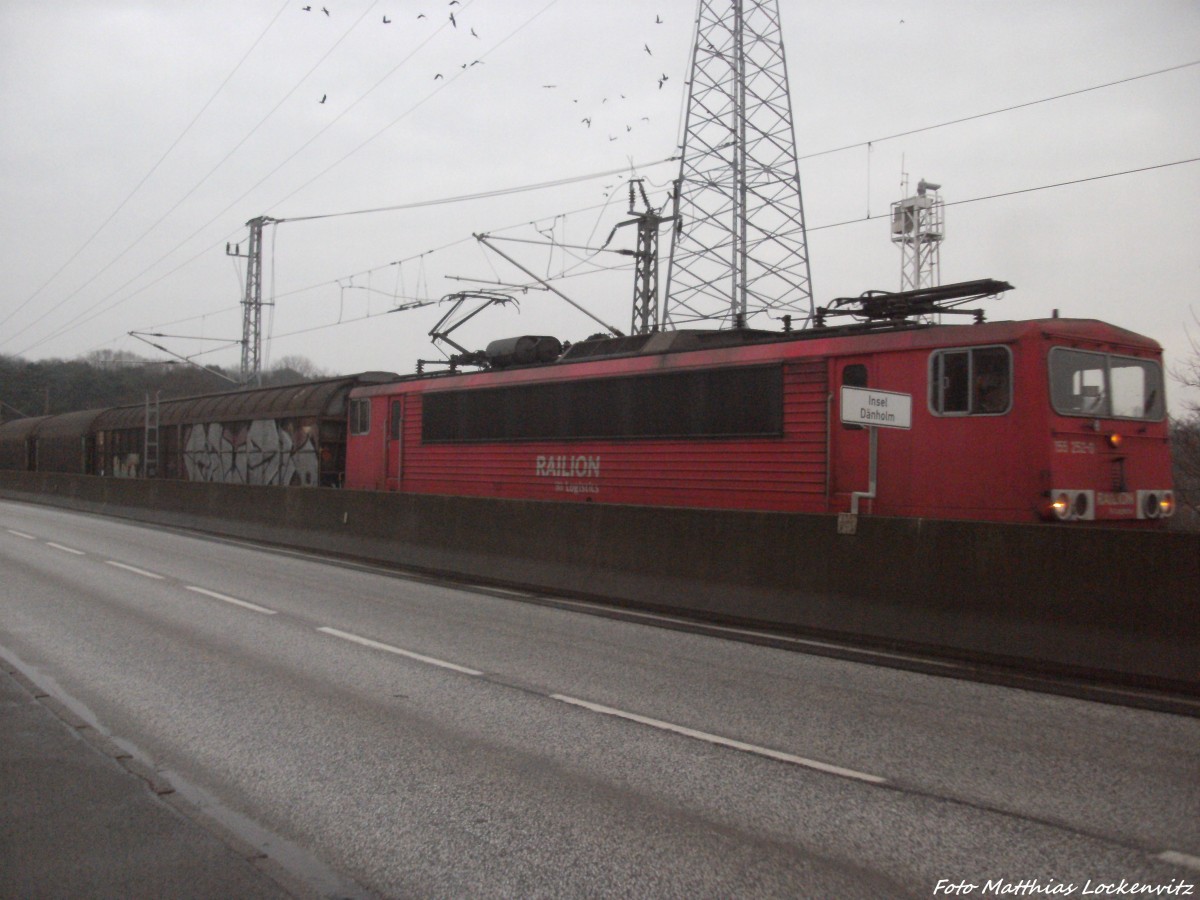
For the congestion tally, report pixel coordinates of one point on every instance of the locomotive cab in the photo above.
(1108, 434)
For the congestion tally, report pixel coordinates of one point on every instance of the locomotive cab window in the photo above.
(972, 381)
(1104, 385)
(360, 416)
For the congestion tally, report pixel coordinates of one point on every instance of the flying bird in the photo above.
(646, 47)
(420, 15)
(438, 75)
(549, 86)
(323, 96)
(387, 21)
(452, 22)
(473, 34)
(306, 8)
(658, 20)
(324, 10)
(586, 121)
(661, 80)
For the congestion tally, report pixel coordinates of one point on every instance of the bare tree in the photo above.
(299, 366)
(1185, 444)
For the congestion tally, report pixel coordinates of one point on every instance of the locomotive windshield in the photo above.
(1104, 385)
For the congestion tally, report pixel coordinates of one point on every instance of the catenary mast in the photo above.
(738, 249)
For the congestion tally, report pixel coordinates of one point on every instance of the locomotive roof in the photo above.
(746, 345)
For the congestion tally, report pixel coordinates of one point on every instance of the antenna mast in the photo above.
(738, 248)
(918, 227)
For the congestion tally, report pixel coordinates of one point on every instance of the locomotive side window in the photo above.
(1104, 385)
(854, 375)
(360, 416)
(734, 402)
(975, 381)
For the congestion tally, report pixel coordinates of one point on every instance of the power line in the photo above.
(77, 321)
(445, 83)
(1000, 195)
(182, 199)
(481, 195)
(146, 177)
(995, 112)
(1013, 193)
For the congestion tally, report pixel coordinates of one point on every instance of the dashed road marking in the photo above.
(65, 549)
(722, 741)
(21, 534)
(134, 569)
(367, 642)
(234, 600)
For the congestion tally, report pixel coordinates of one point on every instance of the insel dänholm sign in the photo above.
(883, 409)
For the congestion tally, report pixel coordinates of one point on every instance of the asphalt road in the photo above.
(398, 737)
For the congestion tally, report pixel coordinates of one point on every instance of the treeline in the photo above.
(104, 379)
(1185, 454)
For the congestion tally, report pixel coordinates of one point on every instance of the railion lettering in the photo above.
(580, 466)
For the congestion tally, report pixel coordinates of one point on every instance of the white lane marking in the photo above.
(1180, 859)
(133, 569)
(722, 741)
(65, 549)
(233, 600)
(21, 534)
(367, 642)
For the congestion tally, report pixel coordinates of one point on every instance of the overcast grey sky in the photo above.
(140, 136)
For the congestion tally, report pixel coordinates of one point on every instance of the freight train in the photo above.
(1060, 420)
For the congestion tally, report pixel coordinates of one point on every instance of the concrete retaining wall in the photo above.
(1114, 604)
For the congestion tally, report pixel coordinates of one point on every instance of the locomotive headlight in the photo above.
(1166, 504)
(1114, 440)
(1069, 505)
(1155, 504)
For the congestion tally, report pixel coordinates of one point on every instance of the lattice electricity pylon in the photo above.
(738, 249)
(252, 301)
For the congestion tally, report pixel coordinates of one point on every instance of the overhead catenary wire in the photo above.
(177, 204)
(1017, 191)
(625, 266)
(72, 325)
(996, 112)
(154, 168)
(1011, 193)
(478, 195)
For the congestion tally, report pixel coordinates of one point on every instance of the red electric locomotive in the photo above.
(1047, 419)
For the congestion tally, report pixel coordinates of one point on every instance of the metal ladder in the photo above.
(150, 456)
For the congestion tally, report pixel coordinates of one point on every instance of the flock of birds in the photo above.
(586, 121)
